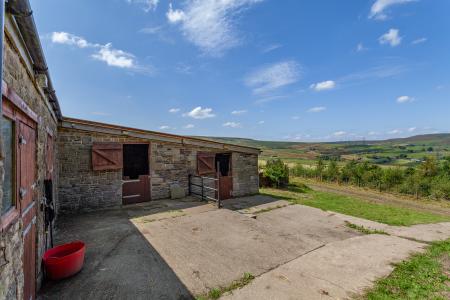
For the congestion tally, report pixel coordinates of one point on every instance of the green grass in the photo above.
(383, 213)
(363, 229)
(216, 293)
(423, 276)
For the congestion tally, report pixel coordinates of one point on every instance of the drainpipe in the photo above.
(23, 15)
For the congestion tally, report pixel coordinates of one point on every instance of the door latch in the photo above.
(22, 192)
(22, 140)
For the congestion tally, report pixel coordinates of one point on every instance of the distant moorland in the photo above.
(405, 152)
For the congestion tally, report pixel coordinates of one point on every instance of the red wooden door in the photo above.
(136, 191)
(225, 187)
(27, 185)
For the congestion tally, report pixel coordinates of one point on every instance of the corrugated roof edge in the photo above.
(87, 125)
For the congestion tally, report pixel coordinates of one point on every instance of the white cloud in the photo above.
(164, 127)
(114, 57)
(271, 48)
(377, 11)
(174, 110)
(261, 122)
(200, 113)
(210, 25)
(412, 129)
(151, 30)
(339, 133)
(148, 5)
(405, 99)
(373, 133)
(317, 109)
(189, 126)
(395, 131)
(274, 76)
(106, 53)
(69, 39)
(360, 47)
(419, 41)
(295, 118)
(391, 37)
(324, 85)
(175, 16)
(231, 125)
(238, 112)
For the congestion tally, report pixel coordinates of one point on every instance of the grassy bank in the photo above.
(392, 215)
(423, 276)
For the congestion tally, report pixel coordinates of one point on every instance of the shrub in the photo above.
(276, 173)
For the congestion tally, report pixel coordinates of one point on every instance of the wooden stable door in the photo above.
(27, 197)
(225, 187)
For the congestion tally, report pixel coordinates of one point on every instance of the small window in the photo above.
(8, 164)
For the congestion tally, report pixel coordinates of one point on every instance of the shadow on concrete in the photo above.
(119, 262)
(247, 202)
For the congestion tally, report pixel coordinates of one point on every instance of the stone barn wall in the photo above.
(83, 189)
(20, 78)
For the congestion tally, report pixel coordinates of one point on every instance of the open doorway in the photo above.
(136, 171)
(223, 169)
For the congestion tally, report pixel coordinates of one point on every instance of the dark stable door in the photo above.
(27, 173)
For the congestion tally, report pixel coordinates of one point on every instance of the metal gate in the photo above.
(207, 188)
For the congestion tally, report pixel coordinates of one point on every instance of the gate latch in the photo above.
(22, 192)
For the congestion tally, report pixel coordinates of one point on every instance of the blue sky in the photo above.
(317, 70)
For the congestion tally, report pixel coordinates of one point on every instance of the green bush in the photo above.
(276, 173)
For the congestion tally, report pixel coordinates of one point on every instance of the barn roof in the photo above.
(85, 125)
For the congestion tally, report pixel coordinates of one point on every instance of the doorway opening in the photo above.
(136, 174)
(223, 163)
(135, 161)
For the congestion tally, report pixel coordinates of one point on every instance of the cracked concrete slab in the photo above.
(338, 270)
(212, 249)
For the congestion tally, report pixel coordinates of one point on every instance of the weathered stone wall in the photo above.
(82, 189)
(21, 79)
(245, 174)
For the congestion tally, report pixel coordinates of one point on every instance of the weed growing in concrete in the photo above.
(363, 229)
(216, 293)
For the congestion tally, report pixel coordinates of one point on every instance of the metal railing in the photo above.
(202, 190)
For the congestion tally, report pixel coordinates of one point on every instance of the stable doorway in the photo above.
(136, 174)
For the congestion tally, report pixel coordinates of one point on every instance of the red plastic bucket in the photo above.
(65, 260)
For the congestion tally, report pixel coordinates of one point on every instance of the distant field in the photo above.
(395, 152)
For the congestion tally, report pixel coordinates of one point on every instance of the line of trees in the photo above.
(430, 179)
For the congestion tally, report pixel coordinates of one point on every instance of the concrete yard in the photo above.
(181, 249)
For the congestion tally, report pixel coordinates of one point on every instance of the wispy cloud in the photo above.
(200, 113)
(147, 5)
(295, 118)
(339, 133)
(324, 85)
(412, 129)
(164, 127)
(317, 109)
(210, 25)
(105, 53)
(238, 112)
(272, 77)
(391, 37)
(404, 99)
(174, 110)
(151, 30)
(360, 47)
(232, 125)
(394, 131)
(385, 70)
(261, 122)
(378, 9)
(419, 41)
(188, 126)
(271, 48)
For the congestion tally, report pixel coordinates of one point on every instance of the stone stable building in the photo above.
(104, 166)
(82, 165)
